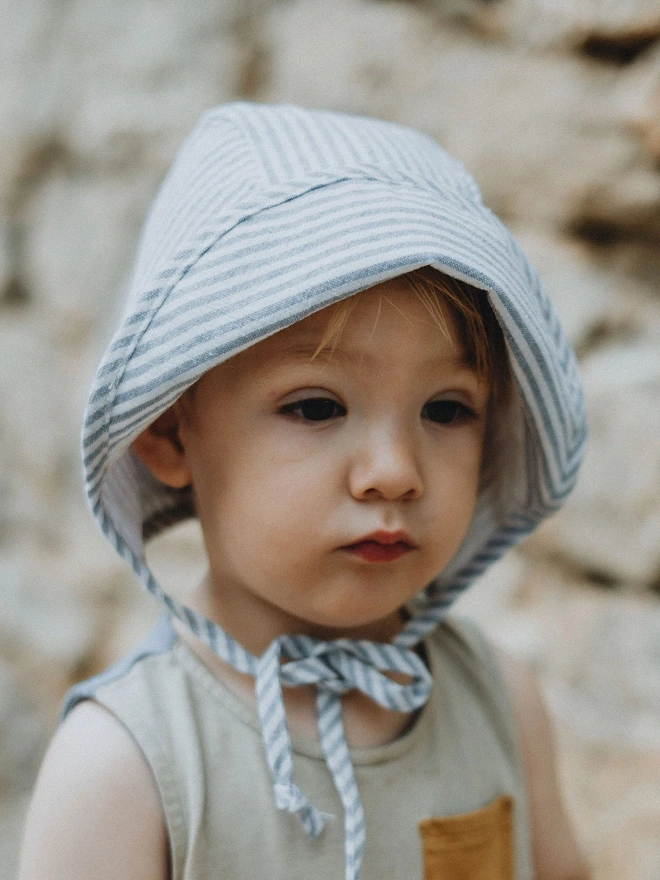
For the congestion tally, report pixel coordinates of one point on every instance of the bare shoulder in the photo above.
(95, 811)
(556, 852)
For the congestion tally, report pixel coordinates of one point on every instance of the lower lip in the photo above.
(372, 551)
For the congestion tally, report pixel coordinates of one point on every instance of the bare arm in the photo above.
(555, 850)
(95, 811)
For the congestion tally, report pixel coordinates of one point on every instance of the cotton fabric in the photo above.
(271, 213)
(450, 772)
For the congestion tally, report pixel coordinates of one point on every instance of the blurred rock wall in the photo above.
(554, 106)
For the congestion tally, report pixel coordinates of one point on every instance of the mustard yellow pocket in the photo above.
(471, 846)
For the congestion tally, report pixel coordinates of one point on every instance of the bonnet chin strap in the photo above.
(335, 667)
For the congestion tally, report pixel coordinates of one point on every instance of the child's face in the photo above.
(332, 490)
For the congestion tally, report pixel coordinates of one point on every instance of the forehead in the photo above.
(387, 320)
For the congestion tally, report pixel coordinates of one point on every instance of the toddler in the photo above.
(339, 361)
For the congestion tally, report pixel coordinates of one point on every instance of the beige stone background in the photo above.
(554, 106)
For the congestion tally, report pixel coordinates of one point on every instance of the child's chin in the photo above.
(381, 628)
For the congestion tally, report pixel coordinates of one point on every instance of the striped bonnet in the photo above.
(268, 214)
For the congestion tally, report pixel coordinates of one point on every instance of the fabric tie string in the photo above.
(335, 668)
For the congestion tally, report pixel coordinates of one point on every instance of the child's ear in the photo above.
(160, 449)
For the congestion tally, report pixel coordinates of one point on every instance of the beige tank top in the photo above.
(445, 801)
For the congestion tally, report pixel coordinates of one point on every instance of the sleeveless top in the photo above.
(445, 801)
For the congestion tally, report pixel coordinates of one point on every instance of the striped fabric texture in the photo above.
(268, 214)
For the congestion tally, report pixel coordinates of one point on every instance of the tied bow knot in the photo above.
(345, 664)
(335, 667)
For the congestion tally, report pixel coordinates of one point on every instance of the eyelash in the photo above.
(322, 409)
(448, 411)
(307, 409)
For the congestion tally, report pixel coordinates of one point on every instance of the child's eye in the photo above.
(444, 412)
(315, 409)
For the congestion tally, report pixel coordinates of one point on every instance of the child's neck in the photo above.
(366, 724)
(255, 624)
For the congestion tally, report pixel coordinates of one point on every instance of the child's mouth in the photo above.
(381, 547)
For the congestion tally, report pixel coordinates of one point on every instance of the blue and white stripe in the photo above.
(269, 214)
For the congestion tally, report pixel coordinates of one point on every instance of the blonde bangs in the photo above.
(470, 318)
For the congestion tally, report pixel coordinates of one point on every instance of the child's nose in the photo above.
(386, 467)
